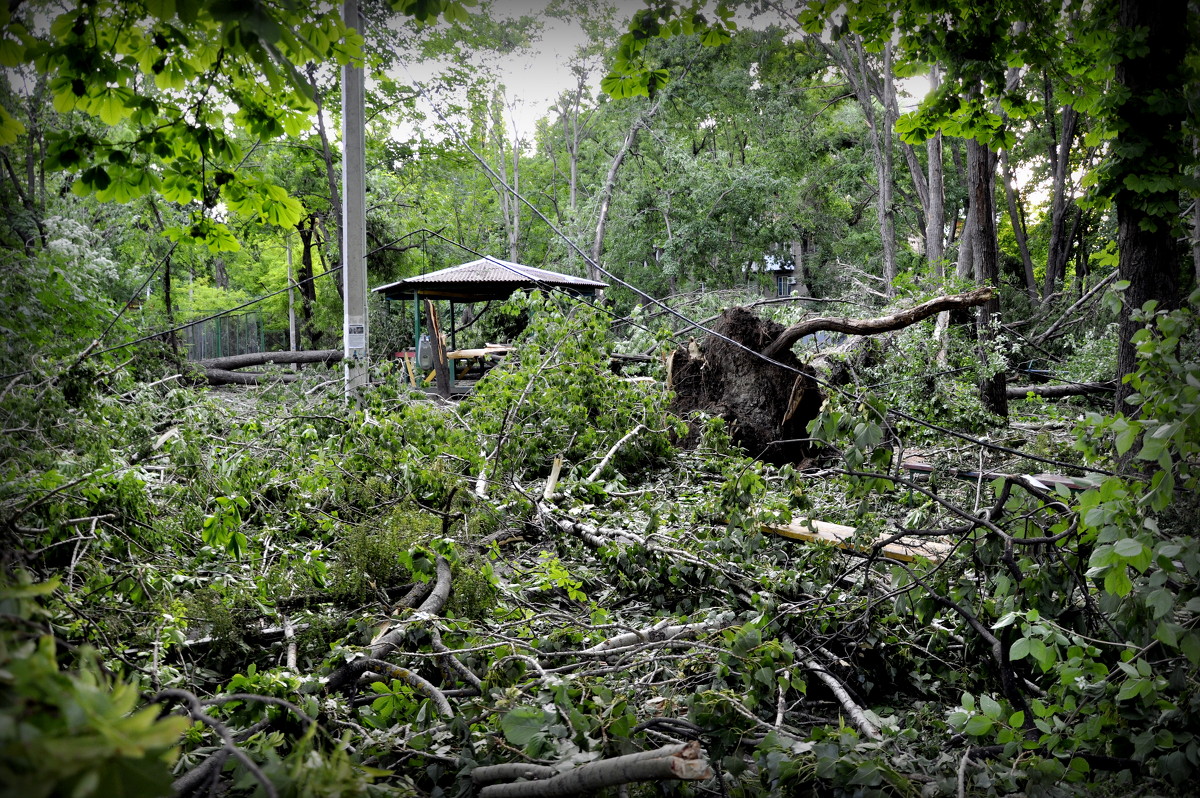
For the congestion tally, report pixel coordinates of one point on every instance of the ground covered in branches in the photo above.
(260, 591)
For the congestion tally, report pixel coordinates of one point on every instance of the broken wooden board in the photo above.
(933, 549)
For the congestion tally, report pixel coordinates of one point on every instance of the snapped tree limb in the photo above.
(883, 324)
(857, 716)
(1059, 391)
(660, 631)
(680, 761)
(232, 362)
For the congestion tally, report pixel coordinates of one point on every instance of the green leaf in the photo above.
(990, 706)
(1161, 601)
(979, 725)
(1117, 582)
(1019, 649)
(1189, 644)
(1128, 547)
(522, 725)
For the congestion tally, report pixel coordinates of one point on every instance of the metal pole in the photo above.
(354, 242)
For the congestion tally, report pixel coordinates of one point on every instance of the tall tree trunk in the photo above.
(1061, 207)
(220, 274)
(304, 275)
(920, 179)
(610, 182)
(855, 68)
(980, 166)
(935, 218)
(1148, 144)
(335, 191)
(1018, 226)
(965, 268)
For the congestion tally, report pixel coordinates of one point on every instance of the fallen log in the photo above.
(883, 324)
(1060, 391)
(222, 370)
(680, 761)
(226, 377)
(233, 362)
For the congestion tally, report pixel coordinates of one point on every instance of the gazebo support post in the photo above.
(453, 345)
(416, 331)
(441, 372)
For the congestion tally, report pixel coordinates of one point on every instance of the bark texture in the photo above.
(1147, 124)
(680, 761)
(980, 168)
(896, 321)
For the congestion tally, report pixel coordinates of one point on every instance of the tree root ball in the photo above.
(766, 407)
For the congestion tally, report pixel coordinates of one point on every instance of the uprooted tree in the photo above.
(745, 372)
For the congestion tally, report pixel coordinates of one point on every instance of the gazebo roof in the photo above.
(484, 279)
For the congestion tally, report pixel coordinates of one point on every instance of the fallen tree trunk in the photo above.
(1059, 391)
(679, 761)
(226, 377)
(896, 321)
(221, 370)
(249, 359)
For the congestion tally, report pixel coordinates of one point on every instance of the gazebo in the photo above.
(477, 281)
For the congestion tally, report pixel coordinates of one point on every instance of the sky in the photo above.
(535, 78)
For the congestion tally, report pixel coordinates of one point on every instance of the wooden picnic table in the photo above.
(472, 359)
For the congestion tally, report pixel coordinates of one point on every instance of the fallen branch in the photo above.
(679, 761)
(1059, 391)
(225, 377)
(413, 680)
(592, 477)
(1065, 317)
(390, 635)
(896, 321)
(857, 716)
(660, 631)
(510, 771)
(195, 711)
(441, 590)
(450, 662)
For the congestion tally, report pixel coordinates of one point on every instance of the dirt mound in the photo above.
(766, 407)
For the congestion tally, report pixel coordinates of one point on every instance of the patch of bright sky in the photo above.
(536, 77)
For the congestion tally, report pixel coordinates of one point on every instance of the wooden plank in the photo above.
(812, 531)
(470, 354)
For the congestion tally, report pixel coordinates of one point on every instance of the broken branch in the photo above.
(1059, 391)
(680, 761)
(896, 321)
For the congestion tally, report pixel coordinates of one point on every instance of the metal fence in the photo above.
(233, 334)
